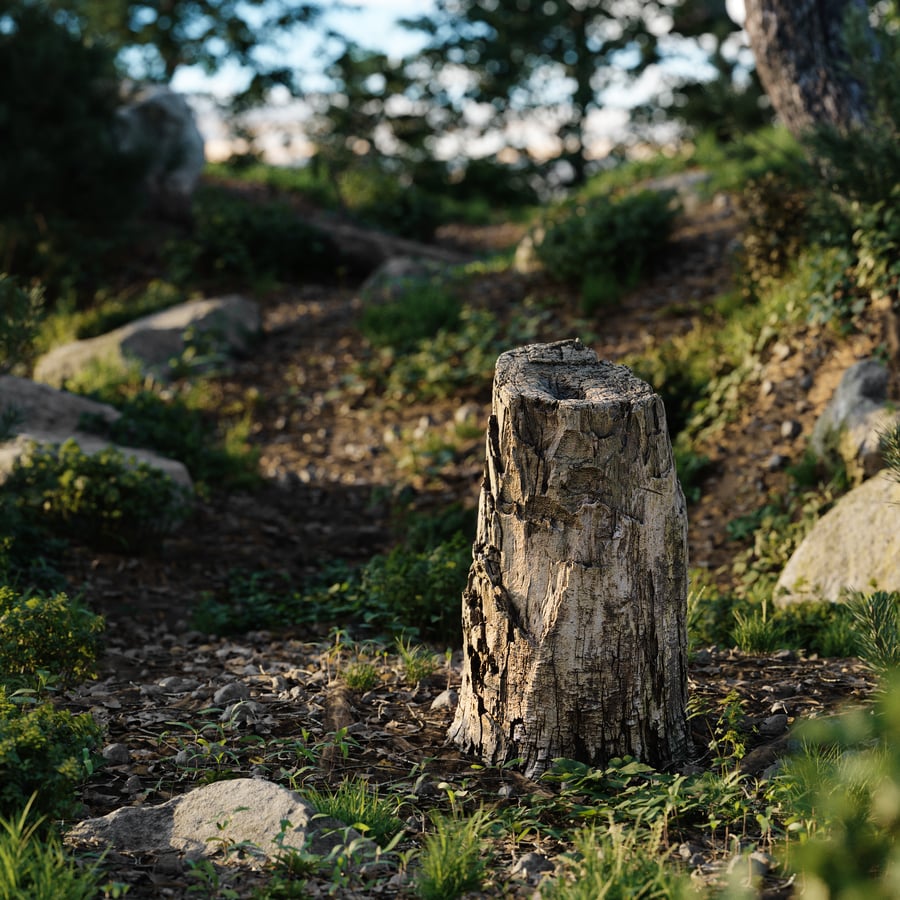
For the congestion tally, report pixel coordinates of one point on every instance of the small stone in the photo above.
(176, 684)
(806, 382)
(757, 864)
(116, 754)
(236, 690)
(776, 461)
(529, 867)
(766, 388)
(774, 725)
(790, 429)
(445, 700)
(242, 711)
(506, 791)
(781, 351)
(133, 785)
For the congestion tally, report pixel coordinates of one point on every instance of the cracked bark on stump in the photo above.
(574, 629)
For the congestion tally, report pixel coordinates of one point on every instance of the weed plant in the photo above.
(418, 662)
(453, 859)
(840, 795)
(34, 865)
(360, 805)
(876, 621)
(618, 863)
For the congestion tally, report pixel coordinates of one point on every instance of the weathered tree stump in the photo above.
(574, 628)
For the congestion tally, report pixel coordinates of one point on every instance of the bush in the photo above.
(51, 633)
(18, 324)
(419, 312)
(101, 499)
(45, 752)
(236, 239)
(606, 244)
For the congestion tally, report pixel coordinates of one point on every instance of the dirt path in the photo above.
(329, 459)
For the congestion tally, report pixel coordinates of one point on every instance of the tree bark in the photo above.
(574, 614)
(801, 60)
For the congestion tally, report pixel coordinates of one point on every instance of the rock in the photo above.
(445, 700)
(158, 124)
(236, 690)
(116, 754)
(224, 813)
(853, 546)
(854, 420)
(525, 260)
(395, 276)
(790, 429)
(50, 416)
(530, 867)
(774, 725)
(227, 323)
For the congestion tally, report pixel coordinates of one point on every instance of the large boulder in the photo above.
(854, 420)
(159, 125)
(854, 546)
(260, 816)
(222, 325)
(45, 415)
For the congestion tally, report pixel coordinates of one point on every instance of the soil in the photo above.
(331, 467)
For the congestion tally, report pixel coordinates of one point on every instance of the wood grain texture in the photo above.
(574, 612)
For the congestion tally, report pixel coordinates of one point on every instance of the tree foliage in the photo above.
(155, 38)
(552, 59)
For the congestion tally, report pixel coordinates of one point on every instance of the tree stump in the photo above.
(574, 630)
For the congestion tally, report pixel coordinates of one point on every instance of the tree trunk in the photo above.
(801, 60)
(574, 615)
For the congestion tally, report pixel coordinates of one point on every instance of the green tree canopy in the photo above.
(155, 38)
(556, 56)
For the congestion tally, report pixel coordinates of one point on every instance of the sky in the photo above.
(372, 24)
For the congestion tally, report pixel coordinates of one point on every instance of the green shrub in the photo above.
(605, 244)
(418, 313)
(389, 200)
(55, 633)
(235, 239)
(412, 593)
(45, 752)
(172, 427)
(34, 865)
(19, 322)
(100, 499)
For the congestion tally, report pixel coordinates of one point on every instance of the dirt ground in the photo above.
(330, 465)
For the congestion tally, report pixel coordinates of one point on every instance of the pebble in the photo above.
(766, 388)
(790, 429)
(445, 700)
(116, 754)
(530, 866)
(242, 711)
(774, 725)
(133, 784)
(776, 461)
(236, 690)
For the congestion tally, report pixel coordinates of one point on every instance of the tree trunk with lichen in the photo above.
(574, 614)
(802, 61)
